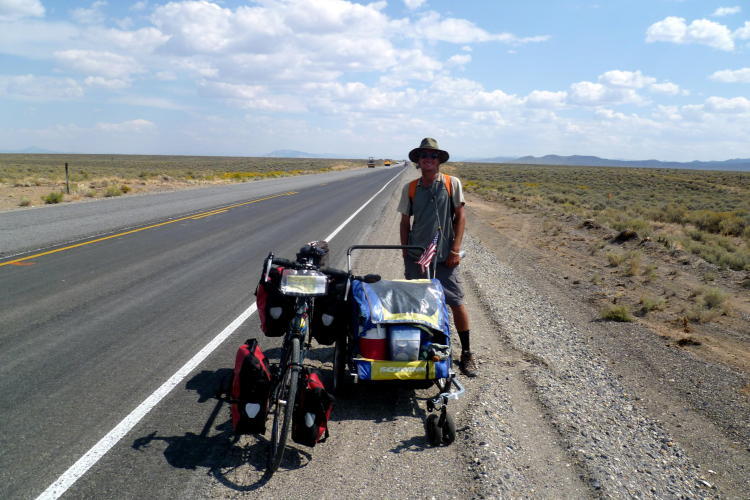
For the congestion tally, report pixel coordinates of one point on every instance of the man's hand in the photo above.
(453, 260)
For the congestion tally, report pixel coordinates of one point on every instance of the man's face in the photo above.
(428, 161)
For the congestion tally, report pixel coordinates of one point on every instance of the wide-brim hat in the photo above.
(428, 143)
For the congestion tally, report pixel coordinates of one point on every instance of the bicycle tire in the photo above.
(284, 407)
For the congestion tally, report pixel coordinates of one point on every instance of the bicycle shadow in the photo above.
(236, 462)
(380, 402)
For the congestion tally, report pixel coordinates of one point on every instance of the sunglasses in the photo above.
(424, 156)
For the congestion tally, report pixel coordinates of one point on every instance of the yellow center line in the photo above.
(209, 214)
(104, 238)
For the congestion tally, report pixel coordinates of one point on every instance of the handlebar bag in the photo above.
(251, 389)
(312, 410)
(274, 309)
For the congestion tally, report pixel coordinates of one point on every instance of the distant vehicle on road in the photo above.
(371, 162)
(386, 163)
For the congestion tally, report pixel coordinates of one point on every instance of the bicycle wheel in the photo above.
(283, 402)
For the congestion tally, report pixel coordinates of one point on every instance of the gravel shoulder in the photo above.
(565, 406)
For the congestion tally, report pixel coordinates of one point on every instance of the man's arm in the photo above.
(404, 229)
(459, 224)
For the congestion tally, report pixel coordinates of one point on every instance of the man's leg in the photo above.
(461, 320)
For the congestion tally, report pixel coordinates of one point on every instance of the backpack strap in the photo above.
(448, 188)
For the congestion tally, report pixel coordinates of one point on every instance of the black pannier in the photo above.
(274, 309)
(332, 313)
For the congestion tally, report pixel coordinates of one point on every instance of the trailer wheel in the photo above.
(433, 429)
(449, 429)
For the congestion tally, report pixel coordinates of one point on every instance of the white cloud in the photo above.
(17, 9)
(137, 126)
(32, 38)
(91, 15)
(150, 102)
(140, 41)
(596, 94)
(726, 11)
(39, 88)
(724, 105)
(107, 83)
(668, 88)
(626, 79)
(101, 63)
(432, 26)
(546, 99)
(459, 60)
(744, 32)
(732, 76)
(701, 31)
(413, 4)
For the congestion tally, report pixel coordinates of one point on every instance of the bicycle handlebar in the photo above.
(328, 271)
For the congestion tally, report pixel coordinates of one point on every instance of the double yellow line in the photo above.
(193, 217)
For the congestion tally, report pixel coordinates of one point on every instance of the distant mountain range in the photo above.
(741, 164)
(293, 153)
(595, 161)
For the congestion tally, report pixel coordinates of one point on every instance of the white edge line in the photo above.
(83, 464)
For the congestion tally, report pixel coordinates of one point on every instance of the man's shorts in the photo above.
(449, 277)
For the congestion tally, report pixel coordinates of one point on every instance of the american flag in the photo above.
(429, 254)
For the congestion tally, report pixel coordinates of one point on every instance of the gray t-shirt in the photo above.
(431, 209)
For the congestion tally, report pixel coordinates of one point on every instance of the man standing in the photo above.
(436, 201)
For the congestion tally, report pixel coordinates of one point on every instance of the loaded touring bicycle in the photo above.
(383, 331)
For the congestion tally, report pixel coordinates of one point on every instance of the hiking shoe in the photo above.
(467, 364)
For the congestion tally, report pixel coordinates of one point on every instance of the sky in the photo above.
(627, 79)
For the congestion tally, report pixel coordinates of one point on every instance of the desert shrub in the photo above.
(649, 304)
(616, 313)
(649, 273)
(25, 202)
(733, 225)
(672, 213)
(112, 191)
(709, 220)
(712, 298)
(701, 315)
(634, 263)
(54, 197)
(125, 188)
(615, 258)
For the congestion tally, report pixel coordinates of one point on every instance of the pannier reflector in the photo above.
(303, 282)
(327, 319)
(275, 312)
(252, 409)
(309, 419)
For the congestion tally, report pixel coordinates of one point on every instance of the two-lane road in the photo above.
(90, 328)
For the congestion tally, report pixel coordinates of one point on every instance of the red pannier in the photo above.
(312, 410)
(251, 388)
(274, 309)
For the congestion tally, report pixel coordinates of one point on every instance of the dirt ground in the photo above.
(26, 195)
(576, 251)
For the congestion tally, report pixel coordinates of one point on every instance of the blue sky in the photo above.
(631, 79)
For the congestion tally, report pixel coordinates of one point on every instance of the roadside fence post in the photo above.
(67, 180)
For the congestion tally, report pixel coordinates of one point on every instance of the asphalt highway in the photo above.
(98, 313)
